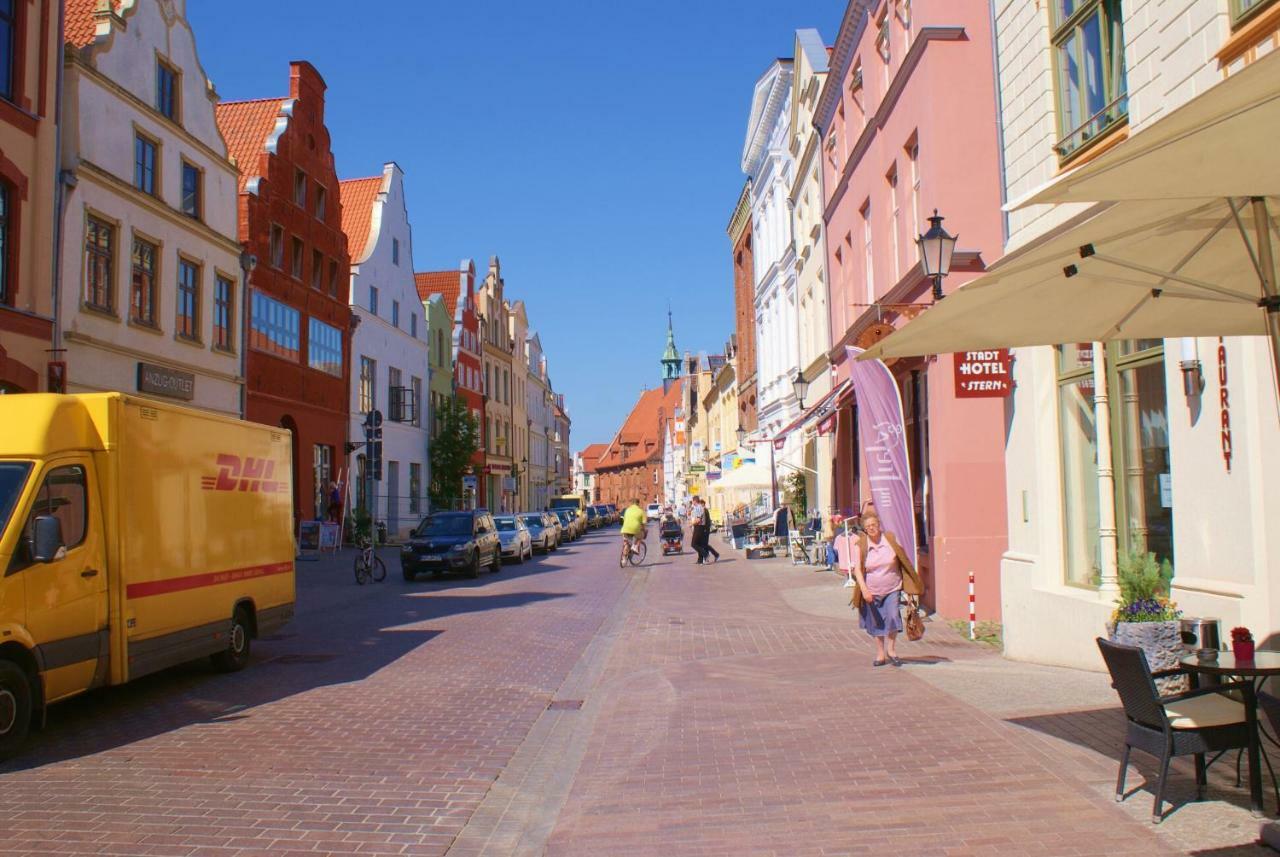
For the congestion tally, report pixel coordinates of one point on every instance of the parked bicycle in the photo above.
(368, 566)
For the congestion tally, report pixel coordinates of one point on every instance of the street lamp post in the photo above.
(936, 247)
(800, 386)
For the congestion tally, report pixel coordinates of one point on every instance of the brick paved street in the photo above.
(567, 708)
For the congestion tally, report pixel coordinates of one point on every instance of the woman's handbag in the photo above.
(914, 621)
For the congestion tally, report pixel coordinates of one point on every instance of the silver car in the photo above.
(514, 537)
(542, 537)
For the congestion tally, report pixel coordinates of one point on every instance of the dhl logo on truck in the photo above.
(244, 474)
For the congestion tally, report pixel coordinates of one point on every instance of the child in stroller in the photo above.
(671, 534)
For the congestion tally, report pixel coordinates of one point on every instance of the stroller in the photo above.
(672, 536)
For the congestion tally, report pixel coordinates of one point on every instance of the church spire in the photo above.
(670, 357)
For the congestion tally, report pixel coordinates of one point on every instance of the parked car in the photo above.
(614, 517)
(541, 536)
(579, 519)
(653, 511)
(553, 524)
(593, 518)
(452, 541)
(603, 511)
(514, 537)
(566, 525)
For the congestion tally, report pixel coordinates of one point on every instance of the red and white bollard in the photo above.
(973, 612)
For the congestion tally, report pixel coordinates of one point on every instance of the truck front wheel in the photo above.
(15, 708)
(236, 655)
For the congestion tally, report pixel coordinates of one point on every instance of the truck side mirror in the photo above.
(46, 539)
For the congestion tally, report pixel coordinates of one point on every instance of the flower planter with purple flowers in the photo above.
(1146, 618)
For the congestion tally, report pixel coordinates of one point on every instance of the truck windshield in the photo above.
(564, 503)
(13, 475)
(444, 525)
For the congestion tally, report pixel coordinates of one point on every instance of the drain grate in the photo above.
(564, 705)
(303, 659)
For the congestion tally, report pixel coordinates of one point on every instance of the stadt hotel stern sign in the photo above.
(163, 381)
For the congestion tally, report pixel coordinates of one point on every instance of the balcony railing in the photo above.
(1094, 127)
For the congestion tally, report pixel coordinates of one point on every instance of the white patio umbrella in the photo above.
(1183, 245)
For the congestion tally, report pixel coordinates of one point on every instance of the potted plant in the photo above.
(1242, 644)
(1145, 617)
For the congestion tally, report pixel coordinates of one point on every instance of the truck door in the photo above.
(67, 597)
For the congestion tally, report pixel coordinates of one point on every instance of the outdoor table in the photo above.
(1262, 666)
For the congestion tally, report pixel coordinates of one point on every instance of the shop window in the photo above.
(142, 287)
(1088, 56)
(188, 300)
(1079, 462)
(167, 90)
(1144, 497)
(144, 164)
(223, 313)
(99, 264)
(1243, 10)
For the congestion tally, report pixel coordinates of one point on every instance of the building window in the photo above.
(395, 314)
(142, 288)
(99, 265)
(373, 299)
(300, 188)
(1243, 10)
(8, 43)
(295, 258)
(413, 325)
(192, 180)
(167, 90)
(324, 347)
(867, 251)
(1144, 500)
(188, 300)
(415, 488)
(322, 476)
(913, 155)
(277, 246)
(317, 270)
(395, 251)
(368, 384)
(322, 200)
(275, 328)
(224, 314)
(5, 242)
(395, 398)
(415, 387)
(1088, 54)
(895, 221)
(144, 164)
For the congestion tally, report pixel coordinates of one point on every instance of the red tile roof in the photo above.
(590, 455)
(446, 283)
(81, 23)
(245, 125)
(358, 198)
(642, 432)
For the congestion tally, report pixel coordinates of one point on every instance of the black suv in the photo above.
(452, 541)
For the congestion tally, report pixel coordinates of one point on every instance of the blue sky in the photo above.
(594, 147)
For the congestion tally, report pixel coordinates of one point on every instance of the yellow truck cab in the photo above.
(134, 535)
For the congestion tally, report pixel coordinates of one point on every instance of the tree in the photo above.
(452, 452)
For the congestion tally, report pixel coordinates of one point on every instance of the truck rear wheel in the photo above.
(15, 708)
(236, 655)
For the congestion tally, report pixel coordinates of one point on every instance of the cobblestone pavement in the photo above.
(567, 708)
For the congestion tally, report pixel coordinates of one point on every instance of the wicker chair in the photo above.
(1209, 720)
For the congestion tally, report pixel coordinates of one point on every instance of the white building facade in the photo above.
(541, 417)
(1107, 456)
(390, 351)
(768, 162)
(150, 270)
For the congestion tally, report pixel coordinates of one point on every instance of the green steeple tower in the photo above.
(670, 357)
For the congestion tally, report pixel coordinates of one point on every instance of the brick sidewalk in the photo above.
(733, 723)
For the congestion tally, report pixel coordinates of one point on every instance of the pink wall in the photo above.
(946, 103)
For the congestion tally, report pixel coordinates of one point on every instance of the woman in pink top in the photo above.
(880, 581)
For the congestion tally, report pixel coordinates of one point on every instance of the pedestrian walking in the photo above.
(700, 521)
(883, 572)
(334, 511)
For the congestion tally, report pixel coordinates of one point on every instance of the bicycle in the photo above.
(633, 551)
(368, 566)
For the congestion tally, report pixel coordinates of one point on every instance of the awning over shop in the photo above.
(820, 410)
(748, 476)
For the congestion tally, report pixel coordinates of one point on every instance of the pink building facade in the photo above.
(908, 124)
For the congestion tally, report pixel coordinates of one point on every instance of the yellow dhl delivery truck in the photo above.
(134, 535)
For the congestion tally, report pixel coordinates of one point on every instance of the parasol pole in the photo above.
(1270, 302)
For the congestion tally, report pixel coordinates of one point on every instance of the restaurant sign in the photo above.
(162, 381)
(984, 374)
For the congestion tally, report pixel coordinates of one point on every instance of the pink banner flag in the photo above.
(884, 447)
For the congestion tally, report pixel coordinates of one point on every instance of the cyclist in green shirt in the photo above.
(632, 524)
